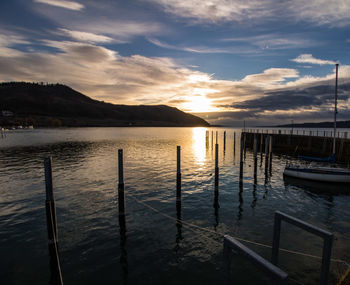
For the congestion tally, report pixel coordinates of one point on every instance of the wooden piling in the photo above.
(121, 198)
(212, 139)
(255, 148)
(224, 141)
(245, 145)
(216, 188)
(216, 166)
(270, 155)
(178, 175)
(51, 219)
(234, 143)
(241, 160)
(261, 148)
(216, 138)
(207, 139)
(266, 154)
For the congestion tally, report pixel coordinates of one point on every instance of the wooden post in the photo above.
(178, 175)
(56, 274)
(207, 139)
(224, 141)
(261, 148)
(270, 155)
(245, 145)
(234, 143)
(255, 147)
(216, 138)
(216, 166)
(121, 199)
(266, 154)
(241, 160)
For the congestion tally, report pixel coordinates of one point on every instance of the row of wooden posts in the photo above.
(56, 275)
(243, 147)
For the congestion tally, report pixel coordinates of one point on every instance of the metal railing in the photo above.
(327, 241)
(273, 272)
(299, 132)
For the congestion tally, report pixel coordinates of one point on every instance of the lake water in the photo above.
(157, 249)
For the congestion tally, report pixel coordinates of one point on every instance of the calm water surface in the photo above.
(157, 250)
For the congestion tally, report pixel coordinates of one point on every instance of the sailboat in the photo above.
(319, 172)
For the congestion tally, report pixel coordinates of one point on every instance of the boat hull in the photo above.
(318, 174)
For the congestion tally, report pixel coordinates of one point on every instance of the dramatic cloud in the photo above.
(308, 58)
(62, 4)
(106, 75)
(319, 12)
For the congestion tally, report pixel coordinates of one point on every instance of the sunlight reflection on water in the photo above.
(157, 249)
(198, 145)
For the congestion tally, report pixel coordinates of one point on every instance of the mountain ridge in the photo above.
(59, 105)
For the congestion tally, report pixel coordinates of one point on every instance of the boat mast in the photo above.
(335, 106)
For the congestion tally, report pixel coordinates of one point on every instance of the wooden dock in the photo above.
(310, 143)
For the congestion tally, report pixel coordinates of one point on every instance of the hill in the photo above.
(59, 105)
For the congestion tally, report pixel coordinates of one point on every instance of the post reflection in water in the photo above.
(255, 198)
(179, 236)
(198, 145)
(216, 206)
(123, 255)
(240, 199)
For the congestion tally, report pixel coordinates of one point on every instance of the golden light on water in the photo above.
(198, 144)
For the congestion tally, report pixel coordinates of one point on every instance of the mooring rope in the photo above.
(191, 226)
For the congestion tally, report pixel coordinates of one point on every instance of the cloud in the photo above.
(86, 37)
(270, 78)
(9, 40)
(308, 58)
(202, 49)
(318, 12)
(274, 41)
(216, 10)
(62, 4)
(321, 12)
(106, 75)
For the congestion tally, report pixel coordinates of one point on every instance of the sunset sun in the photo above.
(197, 103)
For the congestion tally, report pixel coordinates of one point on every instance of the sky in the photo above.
(262, 62)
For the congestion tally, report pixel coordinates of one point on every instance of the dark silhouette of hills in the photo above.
(59, 105)
(340, 124)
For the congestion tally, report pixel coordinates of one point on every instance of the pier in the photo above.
(294, 143)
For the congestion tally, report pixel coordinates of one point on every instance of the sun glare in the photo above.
(198, 103)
